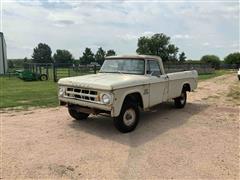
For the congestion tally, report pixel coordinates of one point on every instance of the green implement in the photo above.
(31, 76)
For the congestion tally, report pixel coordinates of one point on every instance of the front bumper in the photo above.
(90, 105)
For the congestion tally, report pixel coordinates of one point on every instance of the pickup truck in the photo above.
(124, 86)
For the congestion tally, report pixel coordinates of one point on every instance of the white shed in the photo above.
(3, 55)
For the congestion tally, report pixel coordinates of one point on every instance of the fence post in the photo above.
(40, 69)
(95, 69)
(47, 71)
(54, 73)
(69, 71)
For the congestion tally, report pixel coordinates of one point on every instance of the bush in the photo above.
(233, 58)
(211, 59)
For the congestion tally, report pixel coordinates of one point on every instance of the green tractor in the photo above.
(31, 76)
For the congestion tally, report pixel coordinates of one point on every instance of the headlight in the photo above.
(106, 98)
(61, 91)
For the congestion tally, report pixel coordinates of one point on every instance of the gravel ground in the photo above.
(199, 141)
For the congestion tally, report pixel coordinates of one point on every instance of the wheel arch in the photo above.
(134, 95)
(186, 86)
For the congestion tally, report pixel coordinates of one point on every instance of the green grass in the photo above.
(17, 93)
(215, 74)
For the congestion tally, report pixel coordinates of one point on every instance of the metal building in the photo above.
(3, 55)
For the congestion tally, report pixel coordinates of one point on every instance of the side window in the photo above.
(153, 68)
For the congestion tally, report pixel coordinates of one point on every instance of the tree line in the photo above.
(215, 62)
(43, 54)
(158, 44)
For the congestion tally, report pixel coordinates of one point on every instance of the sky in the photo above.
(196, 27)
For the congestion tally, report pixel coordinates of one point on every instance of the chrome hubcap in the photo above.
(129, 117)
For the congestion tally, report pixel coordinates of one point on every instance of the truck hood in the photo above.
(104, 81)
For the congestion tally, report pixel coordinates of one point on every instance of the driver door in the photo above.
(158, 83)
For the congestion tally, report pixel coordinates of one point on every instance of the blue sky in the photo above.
(196, 27)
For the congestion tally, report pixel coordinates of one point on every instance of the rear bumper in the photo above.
(90, 105)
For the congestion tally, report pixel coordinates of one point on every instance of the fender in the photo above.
(120, 96)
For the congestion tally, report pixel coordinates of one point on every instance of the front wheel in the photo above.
(180, 101)
(128, 119)
(77, 115)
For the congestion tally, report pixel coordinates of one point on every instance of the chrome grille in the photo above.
(82, 94)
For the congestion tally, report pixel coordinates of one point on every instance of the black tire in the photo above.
(43, 77)
(180, 101)
(77, 115)
(121, 122)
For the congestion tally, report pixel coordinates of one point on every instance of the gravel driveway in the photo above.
(199, 141)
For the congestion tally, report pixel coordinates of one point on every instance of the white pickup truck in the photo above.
(124, 86)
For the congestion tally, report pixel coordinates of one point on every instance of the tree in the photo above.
(232, 58)
(158, 45)
(100, 56)
(110, 52)
(87, 57)
(10, 64)
(172, 52)
(182, 57)
(25, 60)
(42, 54)
(63, 56)
(211, 59)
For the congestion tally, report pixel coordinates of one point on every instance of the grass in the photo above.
(17, 93)
(215, 74)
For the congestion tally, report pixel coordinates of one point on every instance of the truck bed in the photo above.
(178, 79)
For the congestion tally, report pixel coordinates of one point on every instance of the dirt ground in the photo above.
(199, 141)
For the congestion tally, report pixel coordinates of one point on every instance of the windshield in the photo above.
(126, 66)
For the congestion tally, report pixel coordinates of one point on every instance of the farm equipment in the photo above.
(31, 76)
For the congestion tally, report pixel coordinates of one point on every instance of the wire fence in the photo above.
(55, 71)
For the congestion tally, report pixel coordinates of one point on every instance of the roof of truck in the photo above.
(133, 57)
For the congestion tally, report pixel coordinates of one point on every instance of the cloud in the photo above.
(63, 23)
(147, 33)
(131, 37)
(181, 36)
(206, 44)
(75, 25)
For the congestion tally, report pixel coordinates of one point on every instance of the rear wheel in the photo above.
(180, 101)
(43, 77)
(128, 119)
(77, 115)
